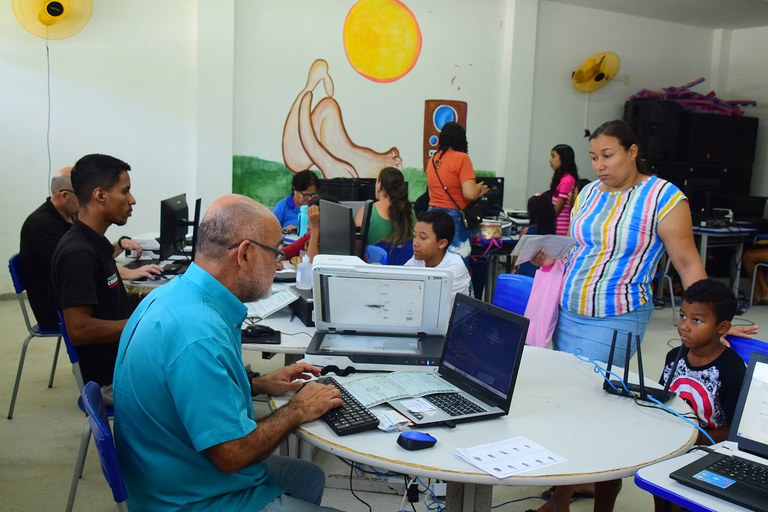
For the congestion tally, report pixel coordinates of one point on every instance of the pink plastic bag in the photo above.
(542, 312)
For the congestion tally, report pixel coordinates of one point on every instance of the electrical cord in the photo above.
(48, 129)
(351, 469)
(605, 374)
(432, 502)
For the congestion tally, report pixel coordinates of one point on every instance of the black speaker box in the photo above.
(657, 125)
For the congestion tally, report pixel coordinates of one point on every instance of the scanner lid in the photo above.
(352, 296)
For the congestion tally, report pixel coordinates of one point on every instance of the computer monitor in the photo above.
(349, 189)
(337, 229)
(493, 201)
(701, 194)
(365, 225)
(174, 225)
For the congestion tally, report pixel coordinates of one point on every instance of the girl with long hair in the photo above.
(563, 161)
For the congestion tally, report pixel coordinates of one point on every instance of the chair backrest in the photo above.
(397, 254)
(105, 443)
(512, 292)
(745, 346)
(71, 351)
(14, 267)
(375, 255)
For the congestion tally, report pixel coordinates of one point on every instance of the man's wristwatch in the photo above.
(251, 376)
(120, 242)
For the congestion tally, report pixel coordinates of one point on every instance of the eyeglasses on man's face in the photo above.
(279, 255)
(308, 195)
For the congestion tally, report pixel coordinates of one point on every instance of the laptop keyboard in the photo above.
(742, 470)
(352, 416)
(454, 404)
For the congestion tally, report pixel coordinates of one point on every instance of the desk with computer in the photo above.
(373, 317)
(175, 246)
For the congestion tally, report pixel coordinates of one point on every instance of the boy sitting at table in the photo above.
(709, 374)
(432, 236)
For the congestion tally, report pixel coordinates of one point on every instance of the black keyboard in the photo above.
(453, 404)
(352, 416)
(171, 268)
(742, 470)
(134, 264)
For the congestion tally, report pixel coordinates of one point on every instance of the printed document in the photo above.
(555, 246)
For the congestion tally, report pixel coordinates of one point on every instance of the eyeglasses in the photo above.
(279, 255)
(306, 195)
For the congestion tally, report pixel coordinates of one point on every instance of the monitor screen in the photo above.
(701, 194)
(174, 224)
(337, 229)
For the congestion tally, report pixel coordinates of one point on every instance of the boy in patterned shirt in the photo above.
(709, 374)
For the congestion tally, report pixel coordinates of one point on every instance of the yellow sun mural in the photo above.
(382, 39)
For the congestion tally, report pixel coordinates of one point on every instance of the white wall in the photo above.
(748, 80)
(654, 54)
(276, 41)
(126, 85)
(176, 87)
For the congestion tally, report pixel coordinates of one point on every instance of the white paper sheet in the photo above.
(509, 457)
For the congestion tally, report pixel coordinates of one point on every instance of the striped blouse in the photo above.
(617, 247)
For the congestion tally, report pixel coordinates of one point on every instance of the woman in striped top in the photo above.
(622, 223)
(562, 160)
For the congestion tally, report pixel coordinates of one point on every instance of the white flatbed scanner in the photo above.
(378, 318)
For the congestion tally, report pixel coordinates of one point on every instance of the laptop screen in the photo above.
(750, 423)
(483, 348)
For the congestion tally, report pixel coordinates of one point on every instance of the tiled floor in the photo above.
(39, 445)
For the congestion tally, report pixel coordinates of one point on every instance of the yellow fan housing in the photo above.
(53, 19)
(596, 71)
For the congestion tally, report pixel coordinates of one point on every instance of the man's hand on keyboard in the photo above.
(315, 399)
(285, 379)
(149, 272)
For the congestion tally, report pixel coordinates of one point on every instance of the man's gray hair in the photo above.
(60, 182)
(228, 225)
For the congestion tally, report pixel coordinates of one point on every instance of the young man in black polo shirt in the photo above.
(85, 278)
(40, 234)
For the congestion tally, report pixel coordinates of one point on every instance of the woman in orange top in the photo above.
(451, 182)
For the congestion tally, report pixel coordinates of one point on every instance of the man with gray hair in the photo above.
(40, 234)
(185, 429)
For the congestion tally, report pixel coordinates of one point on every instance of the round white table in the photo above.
(558, 403)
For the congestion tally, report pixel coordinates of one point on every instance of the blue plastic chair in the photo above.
(745, 346)
(397, 254)
(35, 331)
(85, 438)
(375, 255)
(512, 292)
(98, 423)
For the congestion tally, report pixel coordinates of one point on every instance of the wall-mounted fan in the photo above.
(53, 19)
(596, 71)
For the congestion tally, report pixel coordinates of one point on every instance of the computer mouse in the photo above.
(258, 331)
(411, 440)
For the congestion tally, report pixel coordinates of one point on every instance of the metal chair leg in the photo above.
(55, 360)
(18, 376)
(79, 464)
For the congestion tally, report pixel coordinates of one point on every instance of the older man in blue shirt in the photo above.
(185, 428)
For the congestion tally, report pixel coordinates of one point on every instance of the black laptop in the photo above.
(750, 430)
(481, 357)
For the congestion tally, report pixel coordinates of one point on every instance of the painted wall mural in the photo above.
(382, 39)
(382, 42)
(317, 136)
